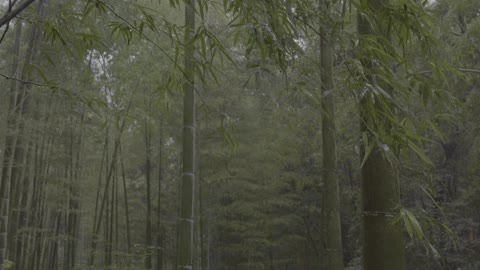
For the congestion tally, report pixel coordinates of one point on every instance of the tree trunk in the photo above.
(14, 147)
(93, 243)
(383, 246)
(186, 213)
(198, 229)
(15, 187)
(159, 201)
(72, 150)
(21, 222)
(383, 241)
(332, 230)
(110, 171)
(148, 225)
(38, 219)
(127, 213)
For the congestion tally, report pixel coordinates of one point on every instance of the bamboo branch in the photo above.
(50, 86)
(11, 14)
(26, 82)
(468, 70)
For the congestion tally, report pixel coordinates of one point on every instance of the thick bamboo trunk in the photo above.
(331, 205)
(383, 242)
(186, 214)
(383, 246)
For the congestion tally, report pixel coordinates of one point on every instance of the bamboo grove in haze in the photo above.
(239, 134)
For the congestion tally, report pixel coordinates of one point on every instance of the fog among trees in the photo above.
(240, 135)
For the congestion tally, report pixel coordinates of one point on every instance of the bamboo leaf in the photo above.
(419, 153)
(368, 145)
(435, 129)
(415, 224)
(435, 252)
(396, 218)
(432, 199)
(408, 226)
(39, 71)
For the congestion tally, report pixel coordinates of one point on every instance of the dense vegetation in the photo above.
(280, 134)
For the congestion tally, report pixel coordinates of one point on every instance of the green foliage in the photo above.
(269, 27)
(259, 123)
(8, 264)
(405, 29)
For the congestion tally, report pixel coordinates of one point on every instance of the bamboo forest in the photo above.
(240, 134)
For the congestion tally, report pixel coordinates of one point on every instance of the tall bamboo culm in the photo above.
(186, 212)
(383, 246)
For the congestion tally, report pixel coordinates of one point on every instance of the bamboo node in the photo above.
(378, 213)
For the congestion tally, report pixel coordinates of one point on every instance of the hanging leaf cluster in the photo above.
(390, 80)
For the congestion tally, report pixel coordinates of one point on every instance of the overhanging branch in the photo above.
(26, 82)
(11, 14)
